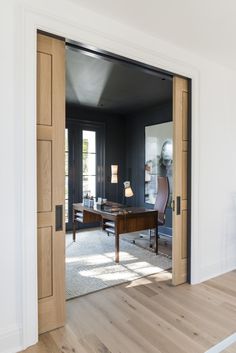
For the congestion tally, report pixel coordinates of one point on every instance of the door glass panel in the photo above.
(66, 163)
(89, 163)
(89, 185)
(89, 141)
(66, 176)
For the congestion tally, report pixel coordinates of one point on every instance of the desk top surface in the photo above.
(113, 208)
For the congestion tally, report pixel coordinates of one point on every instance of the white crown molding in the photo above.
(31, 20)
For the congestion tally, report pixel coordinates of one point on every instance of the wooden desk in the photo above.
(126, 220)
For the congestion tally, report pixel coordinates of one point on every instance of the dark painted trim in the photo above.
(39, 31)
(106, 55)
(189, 181)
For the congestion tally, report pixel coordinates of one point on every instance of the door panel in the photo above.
(185, 115)
(44, 175)
(180, 179)
(44, 86)
(185, 175)
(45, 269)
(50, 180)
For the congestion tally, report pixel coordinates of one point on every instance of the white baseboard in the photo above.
(221, 346)
(10, 340)
(216, 270)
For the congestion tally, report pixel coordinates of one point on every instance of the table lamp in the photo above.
(114, 174)
(128, 192)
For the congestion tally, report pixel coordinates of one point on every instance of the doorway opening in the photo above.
(119, 128)
(127, 133)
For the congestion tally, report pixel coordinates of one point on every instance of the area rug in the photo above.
(142, 239)
(90, 263)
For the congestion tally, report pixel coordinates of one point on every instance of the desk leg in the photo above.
(157, 239)
(74, 230)
(117, 248)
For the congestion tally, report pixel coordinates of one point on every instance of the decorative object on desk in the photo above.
(91, 202)
(85, 200)
(101, 202)
(88, 201)
(114, 174)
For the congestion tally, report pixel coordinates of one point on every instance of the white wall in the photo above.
(214, 143)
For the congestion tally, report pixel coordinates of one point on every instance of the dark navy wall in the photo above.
(135, 146)
(125, 146)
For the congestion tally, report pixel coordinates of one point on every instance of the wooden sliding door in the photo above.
(180, 179)
(50, 181)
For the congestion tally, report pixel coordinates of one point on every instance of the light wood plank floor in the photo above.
(147, 316)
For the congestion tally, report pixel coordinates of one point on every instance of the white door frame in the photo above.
(32, 20)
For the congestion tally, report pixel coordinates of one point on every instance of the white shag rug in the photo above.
(90, 264)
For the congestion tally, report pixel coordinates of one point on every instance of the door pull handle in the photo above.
(178, 205)
(59, 217)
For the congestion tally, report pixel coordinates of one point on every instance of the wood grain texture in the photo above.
(50, 180)
(148, 315)
(184, 252)
(185, 115)
(45, 269)
(180, 179)
(184, 175)
(44, 175)
(44, 88)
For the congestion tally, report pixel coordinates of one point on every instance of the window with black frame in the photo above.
(84, 163)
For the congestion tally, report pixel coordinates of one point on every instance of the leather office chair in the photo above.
(161, 201)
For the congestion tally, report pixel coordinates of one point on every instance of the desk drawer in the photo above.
(89, 217)
(137, 222)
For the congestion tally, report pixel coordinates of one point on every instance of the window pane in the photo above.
(66, 139)
(66, 163)
(66, 211)
(66, 188)
(89, 164)
(89, 141)
(66, 175)
(89, 185)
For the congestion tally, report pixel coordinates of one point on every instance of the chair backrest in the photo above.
(162, 198)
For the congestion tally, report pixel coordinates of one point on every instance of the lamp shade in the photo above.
(114, 169)
(128, 190)
(114, 178)
(114, 173)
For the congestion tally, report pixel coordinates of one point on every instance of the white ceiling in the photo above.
(206, 27)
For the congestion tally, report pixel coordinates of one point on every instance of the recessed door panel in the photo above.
(180, 179)
(44, 175)
(50, 181)
(45, 261)
(44, 88)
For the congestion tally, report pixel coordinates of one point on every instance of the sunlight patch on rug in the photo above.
(90, 263)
